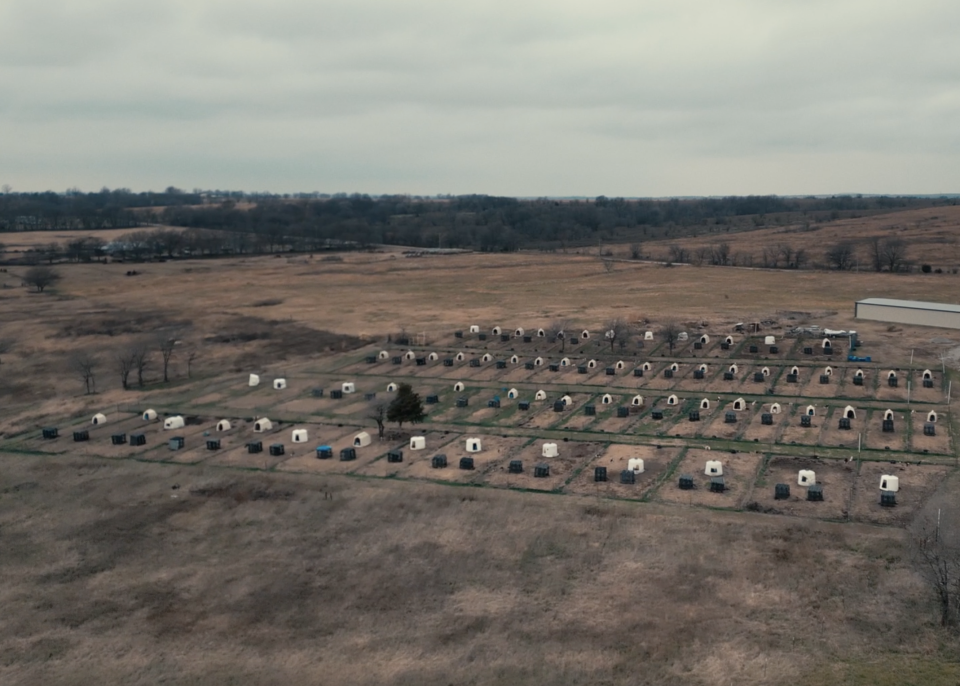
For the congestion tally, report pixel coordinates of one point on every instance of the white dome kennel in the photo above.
(474, 445)
(150, 416)
(253, 380)
(173, 423)
(299, 436)
(418, 442)
(261, 425)
(98, 419)
(550, 450)
(279, 384)
(224, 425)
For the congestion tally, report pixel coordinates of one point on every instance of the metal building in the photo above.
(909, 312)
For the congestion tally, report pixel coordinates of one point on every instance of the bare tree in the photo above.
(378, 413)
(192, 355)
(935, 538)
(41, 276)
(895, 254)
(721, 254)
(678, 253)
(800, 258)
(85, 364)
(770, 257)
(608, 264)
(635, 251)
(670, 332)
(840, 256)
(700, 255)
(876, 253)
(557, 331)
(125, 365)
(617, 330)
(166, 342)
(786, 254)
(140, 352)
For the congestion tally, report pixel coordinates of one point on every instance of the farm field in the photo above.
(284, 567)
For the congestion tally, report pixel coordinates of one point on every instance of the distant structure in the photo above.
(909, 312)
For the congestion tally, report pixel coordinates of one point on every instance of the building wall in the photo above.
(905, 315)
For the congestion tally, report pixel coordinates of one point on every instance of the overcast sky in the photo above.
(519, 97)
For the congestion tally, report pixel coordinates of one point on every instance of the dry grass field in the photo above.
(213, 567)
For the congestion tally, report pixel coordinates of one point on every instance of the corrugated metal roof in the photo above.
(911, 304)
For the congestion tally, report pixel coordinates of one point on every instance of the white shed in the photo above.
(224, 425)
(713, 468)
(550, 450)
(683, 336)
(418, 442)
(806, 477)
(173, 423)
(648, 335)
(98, 419)
(457, 387)
(361, 440)
(279, 384)
(150, 416)
(637, 400)
(673, 400)
(769, 340)
(635, 465)
(474, 445)
(513, 394)
(540, 395)
(606, 399)
(261, 425)
(348, 387)
(299, 436)
(253, 380)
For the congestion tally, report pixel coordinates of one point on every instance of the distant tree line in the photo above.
(239, 222)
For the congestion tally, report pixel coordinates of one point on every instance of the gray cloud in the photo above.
(521, 98)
